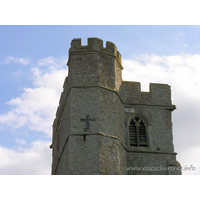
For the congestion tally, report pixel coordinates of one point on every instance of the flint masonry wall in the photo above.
(90, 132)
(155, 107)
(90, 89)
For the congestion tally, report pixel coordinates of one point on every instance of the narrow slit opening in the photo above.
(84, 138)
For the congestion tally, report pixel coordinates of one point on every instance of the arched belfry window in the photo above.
(137, 132)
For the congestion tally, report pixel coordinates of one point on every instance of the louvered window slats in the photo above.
(137, 133)
(132, 133)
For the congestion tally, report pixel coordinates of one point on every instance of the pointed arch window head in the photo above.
(137, 132)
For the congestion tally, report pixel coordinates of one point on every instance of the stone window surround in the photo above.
(127, 122)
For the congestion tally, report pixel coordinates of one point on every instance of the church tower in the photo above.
(104, 125)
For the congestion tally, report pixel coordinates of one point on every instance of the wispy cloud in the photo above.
(179, 35)
(20, 141)
(9, 59)
(52, 62)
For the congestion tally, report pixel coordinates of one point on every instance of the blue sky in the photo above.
(33, 67)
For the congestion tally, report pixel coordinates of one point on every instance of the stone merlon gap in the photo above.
(104, 125)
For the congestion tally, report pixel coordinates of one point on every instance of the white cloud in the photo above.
(182, 72)
(9, 59)
(36, 107)
(33, 160)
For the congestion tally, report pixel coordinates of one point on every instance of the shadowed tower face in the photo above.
(104, 125)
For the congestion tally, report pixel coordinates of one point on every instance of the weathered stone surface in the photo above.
(91, 129)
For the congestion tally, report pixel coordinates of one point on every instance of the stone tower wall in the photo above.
(155, 108)
(90, 89)
(99, 66)
(91, 129)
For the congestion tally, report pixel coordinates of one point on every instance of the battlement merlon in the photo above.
(94, 45)
(159, 94)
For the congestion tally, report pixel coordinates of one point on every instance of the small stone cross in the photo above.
(87, 120)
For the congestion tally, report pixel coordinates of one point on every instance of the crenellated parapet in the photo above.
(94, 65)
(94, 45)
(159, 94)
